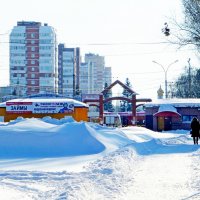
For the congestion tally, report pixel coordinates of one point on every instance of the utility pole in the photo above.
(189, 78)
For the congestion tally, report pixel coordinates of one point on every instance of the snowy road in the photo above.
(120, 175)
(162, 177)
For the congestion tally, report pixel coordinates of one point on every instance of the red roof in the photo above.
(167, 114)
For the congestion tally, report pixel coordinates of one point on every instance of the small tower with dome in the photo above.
(160, 93)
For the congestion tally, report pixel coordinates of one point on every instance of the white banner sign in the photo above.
(53, 107)
(19, 107)
(39, 107)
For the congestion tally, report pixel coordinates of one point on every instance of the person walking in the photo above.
(195, 126)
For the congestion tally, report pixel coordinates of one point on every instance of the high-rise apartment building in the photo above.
(107, 75)
(33, 58)
(85, 78)
(98, 66)
(68, 70)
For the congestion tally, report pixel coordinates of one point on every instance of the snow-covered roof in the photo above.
(3, 105)
(174, 102)
(75, 102)
(167, 108)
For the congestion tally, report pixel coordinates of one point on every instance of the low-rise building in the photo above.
(171, 114)
(40, 107)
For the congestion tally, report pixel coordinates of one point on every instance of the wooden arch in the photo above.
(95, 105)
(120, 83)
(117, 98)
(131, 100)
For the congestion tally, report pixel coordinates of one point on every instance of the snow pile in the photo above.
(46, 140)
(66, 119)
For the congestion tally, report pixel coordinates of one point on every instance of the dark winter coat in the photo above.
(195, 126)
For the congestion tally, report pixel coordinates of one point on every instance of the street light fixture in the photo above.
(165, 71)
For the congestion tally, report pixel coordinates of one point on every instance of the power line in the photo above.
(130, 54)
(92, 44)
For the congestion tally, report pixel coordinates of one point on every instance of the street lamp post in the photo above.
(165, 71)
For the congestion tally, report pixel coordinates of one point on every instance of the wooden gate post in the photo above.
(101, 106)
(133, 109)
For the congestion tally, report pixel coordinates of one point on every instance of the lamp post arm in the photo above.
(168, 68)
(165, 71)
(159, 65)
(171, 65)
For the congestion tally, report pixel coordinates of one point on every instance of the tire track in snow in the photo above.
(162, 177)
(106, 178)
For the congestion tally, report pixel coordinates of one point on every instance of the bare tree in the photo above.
(188, 32)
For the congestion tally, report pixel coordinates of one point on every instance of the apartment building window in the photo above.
(32, 82)
(32, 62)
(32, 35)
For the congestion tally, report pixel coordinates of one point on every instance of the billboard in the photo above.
(53, 107)
(19, 107)
(40, 107)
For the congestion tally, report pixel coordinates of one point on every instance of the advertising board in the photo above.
(39, 107)
(19, 107)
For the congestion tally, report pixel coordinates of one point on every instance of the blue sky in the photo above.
(128, 33)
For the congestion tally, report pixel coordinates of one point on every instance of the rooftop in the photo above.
(48, 100)
(175, 102)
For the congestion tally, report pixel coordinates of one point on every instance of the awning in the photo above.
(167, 110)
(166, 114)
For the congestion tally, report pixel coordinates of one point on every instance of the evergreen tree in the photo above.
(196, 85)
(124, 105)
(108, 106)
(14, 92)
(187, 85)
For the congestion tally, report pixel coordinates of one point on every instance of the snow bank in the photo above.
(35, 138)
(48, 137)
(66, 119)
(147, 142)
(112, 138)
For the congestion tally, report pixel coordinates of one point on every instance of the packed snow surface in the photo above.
(63, 159)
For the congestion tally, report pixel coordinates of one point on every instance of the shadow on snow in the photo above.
(182, 144)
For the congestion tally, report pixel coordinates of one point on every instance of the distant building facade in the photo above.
(97, 70)
(33, 58)
(108, 75)
(68, 70)
(6, 93)
(85, 78)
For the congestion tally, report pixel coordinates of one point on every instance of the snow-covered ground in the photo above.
(63, 159)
